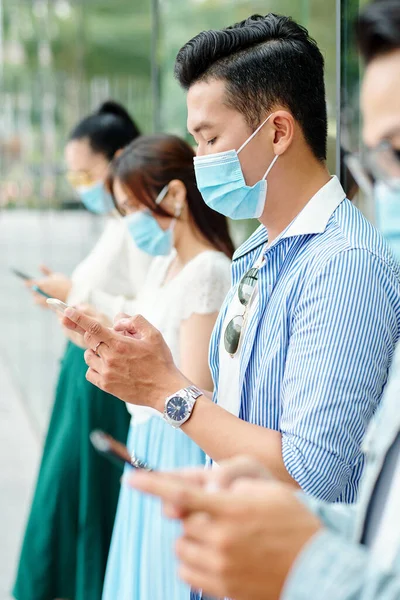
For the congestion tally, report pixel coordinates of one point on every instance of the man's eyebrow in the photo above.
(201, 126)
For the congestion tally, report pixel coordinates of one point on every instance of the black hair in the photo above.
(378, 28)
(149, 163)
(108, 129)
(264, 61)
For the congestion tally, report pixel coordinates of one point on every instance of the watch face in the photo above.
(177, 408)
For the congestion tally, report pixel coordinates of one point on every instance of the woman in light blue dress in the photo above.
(154, 187)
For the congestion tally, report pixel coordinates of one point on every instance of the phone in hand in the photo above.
(38, 290)
(34, 288)
(21, 275)
(56, 304)
(106, 445)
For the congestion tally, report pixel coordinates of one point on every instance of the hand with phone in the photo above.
(74, 336)
(52, 285)
(108, 447)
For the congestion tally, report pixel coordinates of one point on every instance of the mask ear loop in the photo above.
(162, 195)
(270, 166)
(178, 210)
(254, 134)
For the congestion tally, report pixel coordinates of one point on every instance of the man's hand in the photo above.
(74, 336)
(55, 285)
(239, 543)
(137, 368)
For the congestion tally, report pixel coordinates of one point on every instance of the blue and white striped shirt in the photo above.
(315, 356)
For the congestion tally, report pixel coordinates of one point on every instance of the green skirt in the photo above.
(67, 538)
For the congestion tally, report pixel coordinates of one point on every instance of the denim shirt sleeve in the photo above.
(340, 518)
(333, 568)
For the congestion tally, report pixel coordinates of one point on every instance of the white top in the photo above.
(200, 288)
(111, 276)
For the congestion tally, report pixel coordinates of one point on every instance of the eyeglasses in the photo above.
(384, 161)
(379, 163)
(234, 328)
(79, 178)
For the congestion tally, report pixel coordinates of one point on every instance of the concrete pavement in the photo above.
(19, 458)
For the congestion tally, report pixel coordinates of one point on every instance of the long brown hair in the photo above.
(149, 163)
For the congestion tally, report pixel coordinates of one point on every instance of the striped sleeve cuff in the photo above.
(329, 567)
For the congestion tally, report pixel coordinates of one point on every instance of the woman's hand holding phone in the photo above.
(54, 285)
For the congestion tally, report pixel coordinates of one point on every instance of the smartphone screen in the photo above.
(109, 447)
(21, 275)
(56, 304)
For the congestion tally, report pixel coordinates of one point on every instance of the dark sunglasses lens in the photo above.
(246, 286)
(232, 334)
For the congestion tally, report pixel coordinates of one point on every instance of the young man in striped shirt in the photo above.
(302, 347)
(256, 540)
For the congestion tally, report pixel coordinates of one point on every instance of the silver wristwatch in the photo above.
(179, 406)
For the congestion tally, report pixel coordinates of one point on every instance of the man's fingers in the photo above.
(237, 468)
(199, 580)
(94, 378)
(68, 324)
(195, 554)
(137, 326)
(94, 331)
(188, 498)
(121, 316)
(93, 360)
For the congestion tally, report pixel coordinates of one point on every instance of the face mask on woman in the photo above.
(96, 198)
(147, 233)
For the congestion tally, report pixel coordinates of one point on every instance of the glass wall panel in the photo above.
(58, 60)
(61, 58)
(350, 116)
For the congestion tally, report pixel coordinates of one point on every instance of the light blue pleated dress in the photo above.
(142, 564)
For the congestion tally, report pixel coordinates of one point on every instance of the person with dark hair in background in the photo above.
(255, 539)
(69, 529)
(296, 380)
(154, 187)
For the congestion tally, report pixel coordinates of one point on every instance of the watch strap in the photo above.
(194, 391)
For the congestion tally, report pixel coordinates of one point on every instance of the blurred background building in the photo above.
(59, 59)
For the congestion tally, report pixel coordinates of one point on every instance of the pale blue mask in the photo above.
(96, 198)
(387, 206)
(146, 232)
(221, 182)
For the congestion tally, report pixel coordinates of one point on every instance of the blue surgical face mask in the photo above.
(96, 198)
(146, 232)
(221, 182)
(387, 206)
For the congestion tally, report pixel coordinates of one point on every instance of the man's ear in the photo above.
(283, 123)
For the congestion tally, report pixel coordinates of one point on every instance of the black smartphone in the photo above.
(21, 275)
(115, 451)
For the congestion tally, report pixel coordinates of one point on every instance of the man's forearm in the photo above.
(222, 436)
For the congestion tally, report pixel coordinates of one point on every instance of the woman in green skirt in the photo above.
(67, 538)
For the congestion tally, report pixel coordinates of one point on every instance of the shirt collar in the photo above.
(312, 219)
